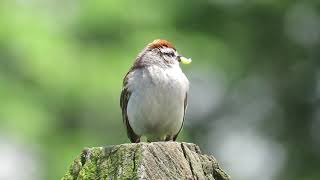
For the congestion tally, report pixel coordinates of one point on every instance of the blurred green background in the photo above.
(255, 81)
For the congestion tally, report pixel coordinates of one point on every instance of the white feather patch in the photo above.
(156, 105)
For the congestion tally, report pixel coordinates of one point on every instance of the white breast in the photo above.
(156, 105)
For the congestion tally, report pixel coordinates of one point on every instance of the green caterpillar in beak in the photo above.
(185, 60)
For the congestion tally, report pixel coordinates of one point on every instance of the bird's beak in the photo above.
(184, 60)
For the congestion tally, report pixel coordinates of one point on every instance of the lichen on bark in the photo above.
(157, 160)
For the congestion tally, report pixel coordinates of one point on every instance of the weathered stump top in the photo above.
(157, 160)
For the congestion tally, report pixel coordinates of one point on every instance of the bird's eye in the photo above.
(170, 54)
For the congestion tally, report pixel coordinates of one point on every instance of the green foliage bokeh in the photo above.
(62, 64)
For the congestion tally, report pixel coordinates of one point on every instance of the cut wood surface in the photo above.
(157, 160)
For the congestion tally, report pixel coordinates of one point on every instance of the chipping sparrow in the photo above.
(154, 95)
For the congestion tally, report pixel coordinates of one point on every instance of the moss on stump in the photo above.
(157, 160)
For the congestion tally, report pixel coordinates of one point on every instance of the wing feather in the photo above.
(124, 99)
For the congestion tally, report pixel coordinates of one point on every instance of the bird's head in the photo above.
(161, 52)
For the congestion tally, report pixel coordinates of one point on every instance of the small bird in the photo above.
(154, 94)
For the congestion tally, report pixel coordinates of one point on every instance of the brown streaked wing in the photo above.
(124, 99)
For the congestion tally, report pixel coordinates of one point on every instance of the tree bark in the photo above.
(157, 160)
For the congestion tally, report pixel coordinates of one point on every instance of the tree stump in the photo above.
(157, 160)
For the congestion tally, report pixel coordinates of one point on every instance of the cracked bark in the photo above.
(157, 160)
